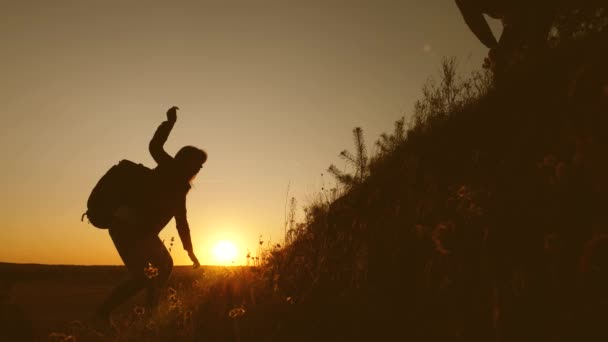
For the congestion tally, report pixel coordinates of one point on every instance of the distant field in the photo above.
(38, 299)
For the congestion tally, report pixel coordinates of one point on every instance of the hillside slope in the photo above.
(486, 220)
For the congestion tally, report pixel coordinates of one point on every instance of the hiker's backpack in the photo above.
(125, 183)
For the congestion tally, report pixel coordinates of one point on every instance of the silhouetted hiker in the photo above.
(526, 25)
(134, 230)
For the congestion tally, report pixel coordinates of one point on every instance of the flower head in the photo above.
(139, 311)
(150, 271)
(236, 312)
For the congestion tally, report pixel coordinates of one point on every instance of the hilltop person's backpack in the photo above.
(123, 184)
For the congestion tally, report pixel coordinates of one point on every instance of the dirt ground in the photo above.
(36, 300)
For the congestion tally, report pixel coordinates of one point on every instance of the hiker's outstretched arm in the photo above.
(477, 23)
(183, 228)
(184, 233)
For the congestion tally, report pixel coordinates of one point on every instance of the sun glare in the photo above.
(224, 252)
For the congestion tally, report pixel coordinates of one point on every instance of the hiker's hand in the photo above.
(194, 260)
(172, 114)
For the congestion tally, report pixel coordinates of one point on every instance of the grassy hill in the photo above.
(484, 220)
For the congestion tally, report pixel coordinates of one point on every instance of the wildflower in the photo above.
(464, 193)
(175, 305)
(61, 337)
(76, 325)
(150, 271)
(174, 302)
(236, 312)
(56, 336)
(440, 235)
(173, 298)
(289, 300)
(139, 311)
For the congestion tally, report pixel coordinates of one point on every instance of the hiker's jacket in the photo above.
(166, 197)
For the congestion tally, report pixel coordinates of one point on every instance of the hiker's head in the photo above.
(190, 160)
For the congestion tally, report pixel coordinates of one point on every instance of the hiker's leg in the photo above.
(125, 243)
(161, 259)
(119, 295)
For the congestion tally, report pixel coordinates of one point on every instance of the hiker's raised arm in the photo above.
(160, 137)
(473, 17)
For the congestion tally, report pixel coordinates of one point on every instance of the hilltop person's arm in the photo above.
(473, 17)
(160, 137)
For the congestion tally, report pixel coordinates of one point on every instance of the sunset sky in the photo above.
(270, 89)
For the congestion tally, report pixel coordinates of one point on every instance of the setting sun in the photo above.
(224, 252)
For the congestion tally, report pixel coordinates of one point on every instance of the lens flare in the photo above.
(224, 252)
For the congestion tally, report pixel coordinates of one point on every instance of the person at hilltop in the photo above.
(134, 230)
(526, 26)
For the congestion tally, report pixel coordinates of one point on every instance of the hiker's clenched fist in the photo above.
(172, 114)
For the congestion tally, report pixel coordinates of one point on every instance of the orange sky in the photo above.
(270, 89)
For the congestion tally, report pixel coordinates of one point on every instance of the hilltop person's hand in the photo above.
(194, 259)
(172, 114)
(490, 61)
